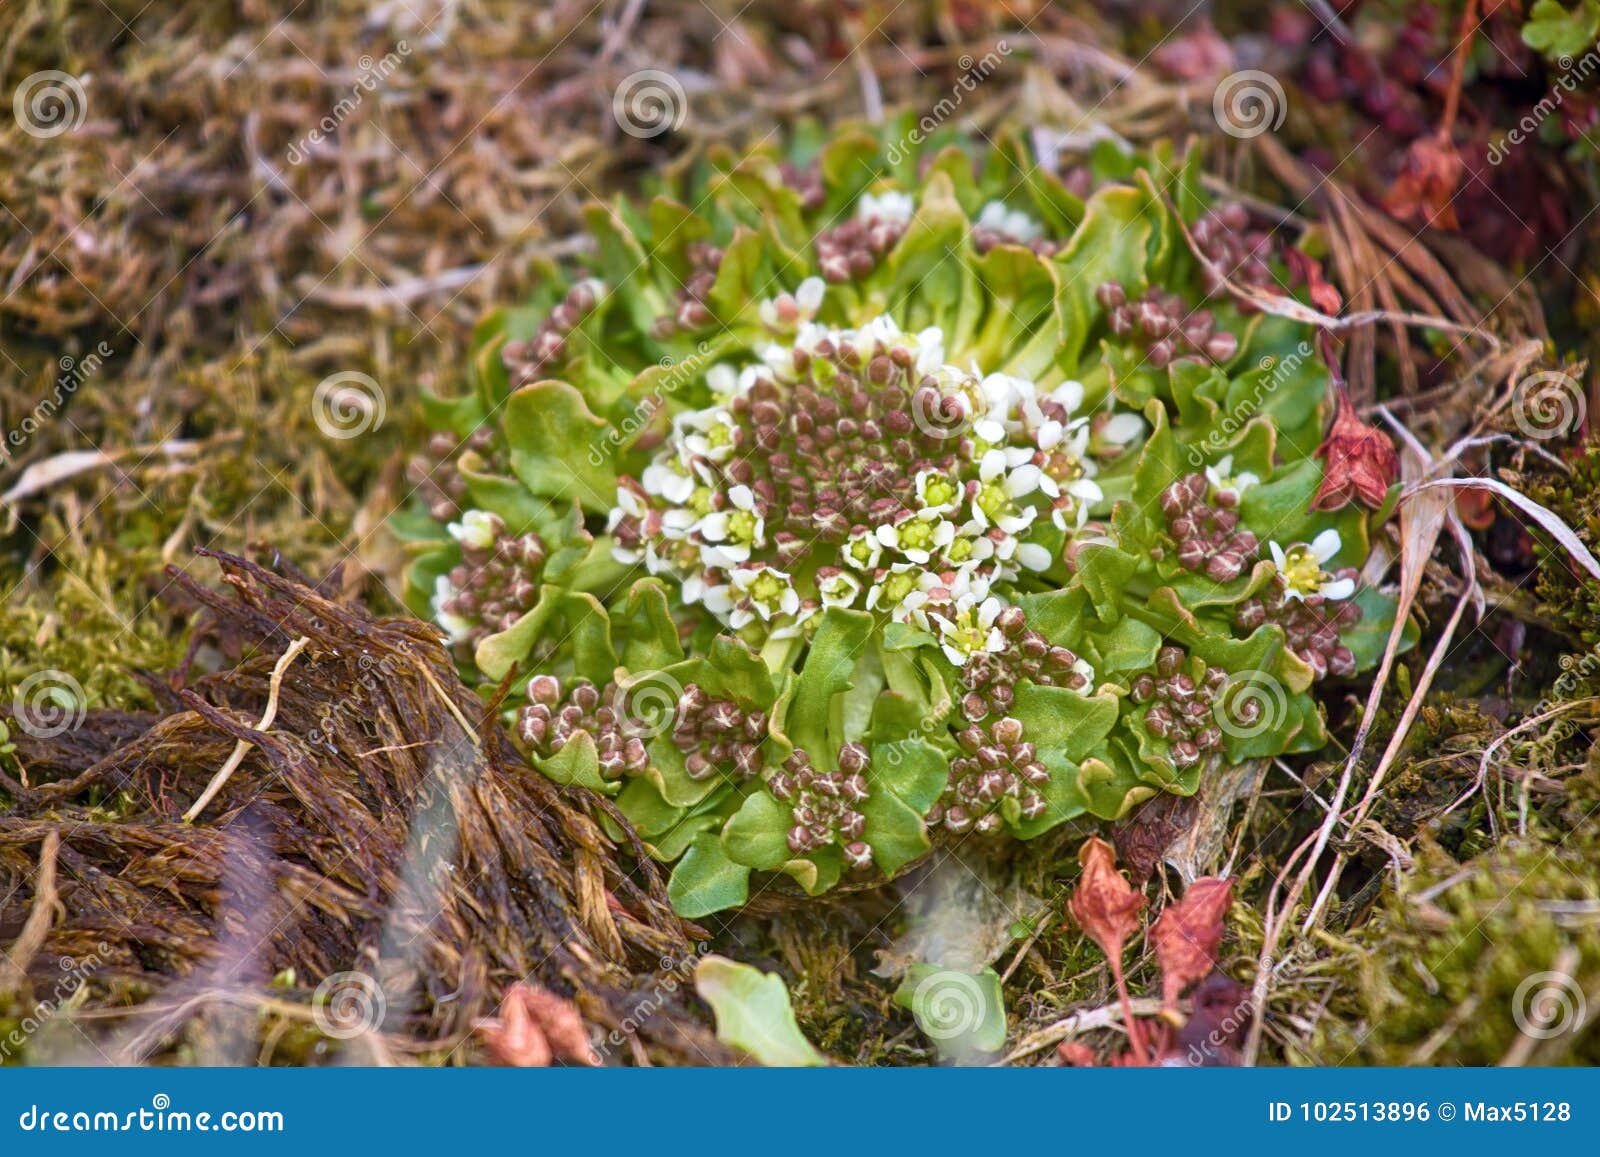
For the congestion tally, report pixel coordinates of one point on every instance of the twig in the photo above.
(14, 969)
(241, 746)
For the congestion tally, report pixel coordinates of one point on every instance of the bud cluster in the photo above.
(805, 181)
(824, 804)
(1311, 625)
(528, 361)
(1181, 706)
(1167, 327)
(852, 249)
(996, 764)
(1236, 251)
(718, 734)
(990, 677)
(494, 585)
(1204, 526)
(436, 476)
(690, 311)
(550, 720)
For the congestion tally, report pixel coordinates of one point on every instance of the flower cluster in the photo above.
(689, 309)
(717, 735)
(824, 804)
(436, 476)
(996, 764)
(990, 677)
(494, 585)
(1204, 524)
(1235, 251)
(1168, 327)
(1182, 699)
(1310, 604)
(860, 468)
(852, 249)
(550, 720)
(528, 361)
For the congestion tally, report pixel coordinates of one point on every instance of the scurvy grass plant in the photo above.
(842, 506)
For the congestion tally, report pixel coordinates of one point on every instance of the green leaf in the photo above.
(1556, 31)
(649, 634)
(753, 1013)
(1060, 720)
(963, 1014)
(557, 445)
(757, 835)
(835, 649)
(577, 763)
(706, 880)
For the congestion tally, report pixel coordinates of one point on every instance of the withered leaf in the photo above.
(1187, 933)
(1104, 903)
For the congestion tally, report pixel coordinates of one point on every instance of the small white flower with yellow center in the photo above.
(787, 311)
(766, 591)
(968, 628)
(937, 493)
(837, 588)
(1301, 568)
(917, 537)
(733, 532)
(862, 550)
(1224, 481)
(707, 434)
(995, 502)
(891, 586)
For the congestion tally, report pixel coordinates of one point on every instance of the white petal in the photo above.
(1341, 588)
(1033, 556)
(1325, 545)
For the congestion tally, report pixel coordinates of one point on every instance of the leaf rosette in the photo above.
(851, 500)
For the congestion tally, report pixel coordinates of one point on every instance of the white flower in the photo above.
(837, 588)
(1120, 429)
(666, 479)
(916, 537)
(862, 550)
(995, 502)
(1224, 481)
(1012, 223)
(937, 493)
(477, 529)
(1301, 568)
(892, 206)
(969, 628)
(768, 592)
(458, 628)
(735, 531)
(706, 434)
(1070, 510)
(784, 312)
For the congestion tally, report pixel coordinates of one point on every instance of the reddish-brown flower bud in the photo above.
(1359, 462)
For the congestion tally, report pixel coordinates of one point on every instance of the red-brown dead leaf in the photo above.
(1359, 462)
(1425, 188)
(1104, 903)
(1186, 935)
